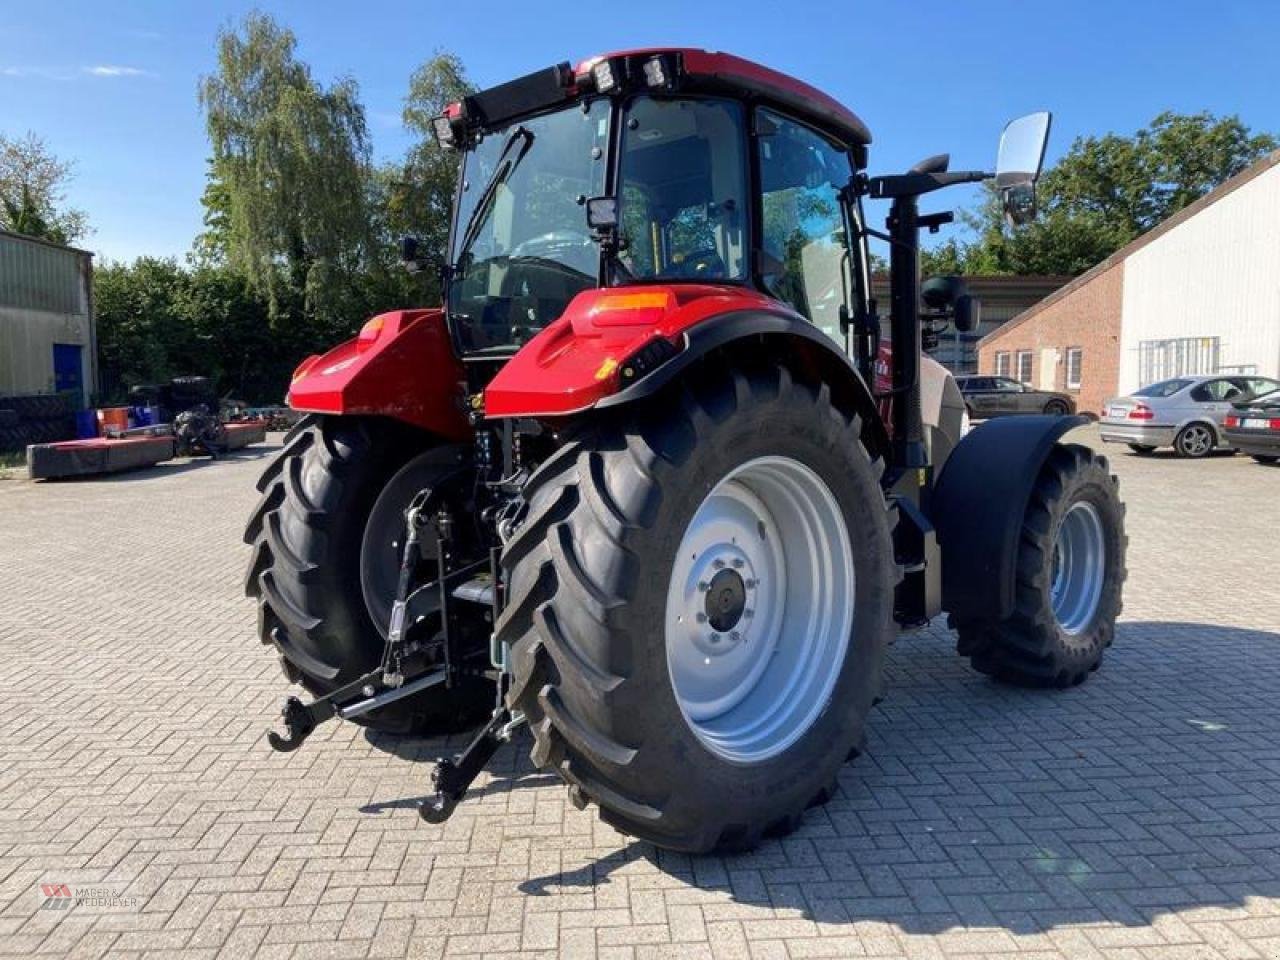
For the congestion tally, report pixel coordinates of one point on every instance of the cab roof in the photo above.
(682, 69)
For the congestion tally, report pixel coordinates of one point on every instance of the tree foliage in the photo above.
(1103, 193)
(33, 192)
(288, 198)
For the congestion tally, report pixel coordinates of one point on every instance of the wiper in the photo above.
(507, 163)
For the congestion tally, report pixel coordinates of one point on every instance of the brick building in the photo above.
(1197, 294)
(1003, 298)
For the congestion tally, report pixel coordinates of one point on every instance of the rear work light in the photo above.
(1141, 412)
(602, 73)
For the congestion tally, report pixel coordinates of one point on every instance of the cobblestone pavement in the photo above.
(1136, 816)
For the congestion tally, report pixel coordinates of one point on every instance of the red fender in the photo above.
(580, 358)
(401, 365)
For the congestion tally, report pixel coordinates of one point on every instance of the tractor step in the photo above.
(476, 590)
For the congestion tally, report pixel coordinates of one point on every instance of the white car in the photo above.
(1185, 413)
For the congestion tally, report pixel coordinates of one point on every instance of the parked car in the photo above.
(1000, 396)
(1185, 413)
(1253, 427)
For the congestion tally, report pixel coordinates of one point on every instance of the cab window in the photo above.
(684, 189)
(803, 230)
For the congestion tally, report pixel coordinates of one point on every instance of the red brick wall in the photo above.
(1087, 317)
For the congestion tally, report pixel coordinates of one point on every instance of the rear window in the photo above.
(1165, 388)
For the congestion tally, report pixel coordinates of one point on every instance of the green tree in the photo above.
(1105, 192)
(33, 192)
(414, 197)
(288, 199)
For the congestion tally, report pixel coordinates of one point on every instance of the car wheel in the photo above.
(1194, 441)
(1142, 449)
(1266, 458)
(1056, 408)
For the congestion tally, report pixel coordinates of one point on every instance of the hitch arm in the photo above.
(452, 778)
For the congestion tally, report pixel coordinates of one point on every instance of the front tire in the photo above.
(1056, 408)
(1142, 449)
(1070, 571)
(603, 648)
(327, 502)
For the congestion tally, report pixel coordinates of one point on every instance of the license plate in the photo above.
(1252, 424)
(1118, 413)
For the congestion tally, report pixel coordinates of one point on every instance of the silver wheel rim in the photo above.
(759, 609)
(1079, 567)
(1196, 440)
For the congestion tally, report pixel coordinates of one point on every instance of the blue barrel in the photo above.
(86, 424)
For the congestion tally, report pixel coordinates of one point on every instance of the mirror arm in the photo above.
(915, 184)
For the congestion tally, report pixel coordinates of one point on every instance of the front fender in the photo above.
(619, 345)
(401, 365)
(978, 507)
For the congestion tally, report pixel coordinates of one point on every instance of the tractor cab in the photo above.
(655, 167)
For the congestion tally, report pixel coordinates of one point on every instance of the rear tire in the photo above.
(1142, 449)
(1070, 571)
(1056, 408)
(588, 616)
(1267, 458)
(1194, 441)
(308, 538)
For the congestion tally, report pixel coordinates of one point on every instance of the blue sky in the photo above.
(112, 85)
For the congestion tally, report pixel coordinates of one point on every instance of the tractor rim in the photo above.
(759, 609)
(1079, 567)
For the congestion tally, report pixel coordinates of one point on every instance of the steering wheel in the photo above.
(702, 264)
(571, 248)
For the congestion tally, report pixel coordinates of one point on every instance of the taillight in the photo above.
(1231, 421)
(1275, 423)
(1141, 412)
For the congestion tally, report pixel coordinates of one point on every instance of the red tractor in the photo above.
(637, 484)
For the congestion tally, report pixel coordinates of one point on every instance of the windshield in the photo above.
(521, 248)
(1165, 388)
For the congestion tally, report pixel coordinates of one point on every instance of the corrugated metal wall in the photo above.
(1216, 275)
(45, 299)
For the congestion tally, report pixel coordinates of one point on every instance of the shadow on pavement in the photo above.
(1152, 789)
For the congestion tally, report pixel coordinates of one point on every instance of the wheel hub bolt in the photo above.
(702, 618)
(737, 562)
(748, 613)
(751, 584)
(715, 638)
(718, 564)
(704, 586)
(735, 636)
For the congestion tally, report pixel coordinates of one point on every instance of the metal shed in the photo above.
(48, 342)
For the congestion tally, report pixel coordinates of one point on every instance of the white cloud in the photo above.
(112, 70)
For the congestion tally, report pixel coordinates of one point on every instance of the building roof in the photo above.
(46, 243)
(1186, 213)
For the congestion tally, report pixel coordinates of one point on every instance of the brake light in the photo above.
(1275, 423)
(1231, 421)
(1141, 412)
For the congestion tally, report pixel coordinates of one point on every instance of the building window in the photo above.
(1075, 359)
(1182, 357)
(1024, 366)
(1002, 363)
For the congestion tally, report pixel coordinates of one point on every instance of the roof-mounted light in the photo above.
(658, 73)
(445, 136)
(604, 76)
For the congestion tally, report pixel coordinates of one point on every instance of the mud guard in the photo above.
(605, 352)
(978, 507)
(401, 365)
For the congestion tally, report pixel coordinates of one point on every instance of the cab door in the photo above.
(804, 231)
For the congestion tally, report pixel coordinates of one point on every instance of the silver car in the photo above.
(1185, 413)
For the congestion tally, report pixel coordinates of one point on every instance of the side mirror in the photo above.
(968, 313)
(409, 254)
(1018, 165)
